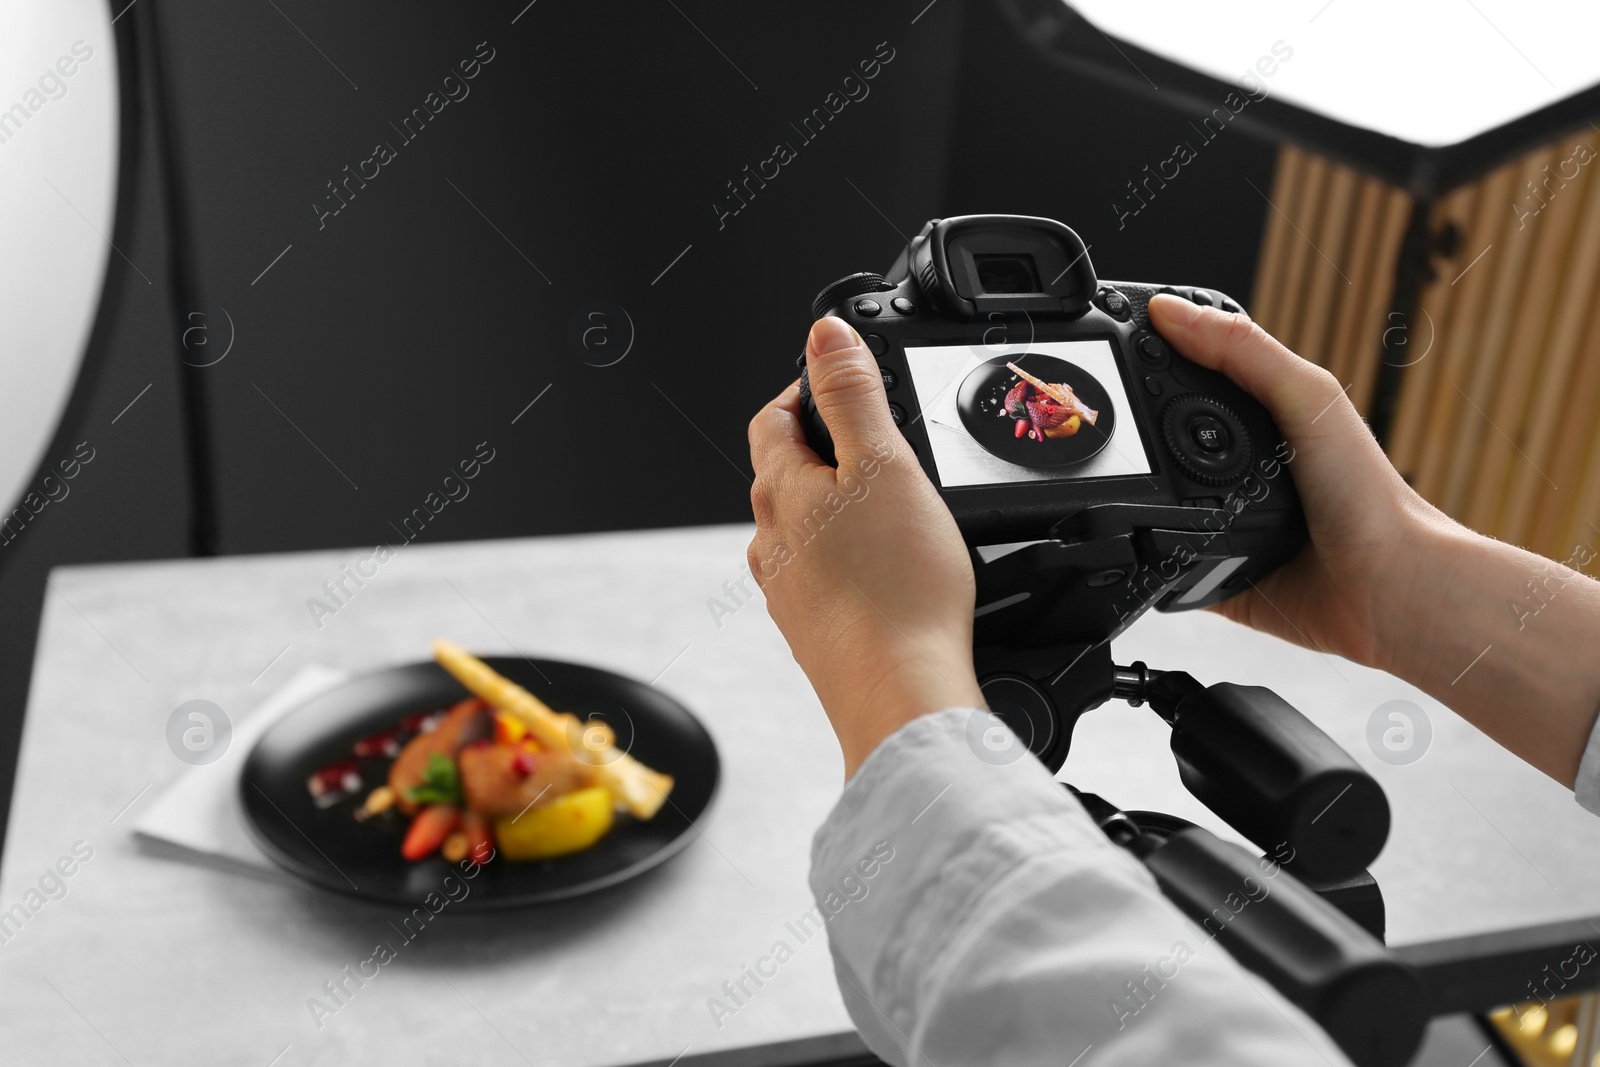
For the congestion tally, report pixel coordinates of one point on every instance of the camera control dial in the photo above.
(1209, 442)
(848, 288)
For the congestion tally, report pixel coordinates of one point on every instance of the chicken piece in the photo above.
(505, 780)
(466, 722)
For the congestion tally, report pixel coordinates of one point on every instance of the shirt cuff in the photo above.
(934, 819)
(1586, 790)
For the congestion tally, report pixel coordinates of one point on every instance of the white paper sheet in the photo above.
(198, 817)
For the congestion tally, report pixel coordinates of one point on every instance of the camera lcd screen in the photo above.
(1046, 411)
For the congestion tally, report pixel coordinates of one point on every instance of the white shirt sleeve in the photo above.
(1587, 788)
(977, 915)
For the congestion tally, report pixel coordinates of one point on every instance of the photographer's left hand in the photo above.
(863, 568)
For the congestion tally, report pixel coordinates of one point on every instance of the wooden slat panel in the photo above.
(1396, 214)
(1505, 404)
(1561, 513)
(1471, 284)
(1578, 509)
(1267, 296)
(1298, 262)
(1521, 358)
(1427, 338)
(1328, 281)
(1350, 344)
(1505, 264)
(1543, 441)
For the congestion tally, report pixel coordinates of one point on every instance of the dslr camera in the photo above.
(1051, 417)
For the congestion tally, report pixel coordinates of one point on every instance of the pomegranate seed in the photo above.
(379, 744)
(523, 764)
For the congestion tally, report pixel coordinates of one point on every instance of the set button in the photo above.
(1209, 434)
(1207, 440)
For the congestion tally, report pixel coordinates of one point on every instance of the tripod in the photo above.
(1047, 612)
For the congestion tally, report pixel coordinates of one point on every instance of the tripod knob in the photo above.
(1252, 758)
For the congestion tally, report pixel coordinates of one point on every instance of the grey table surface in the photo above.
(151, 960)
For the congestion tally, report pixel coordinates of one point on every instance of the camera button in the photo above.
(1232, 306)
(903, 306)
(1209, 434)
(869, 308)
(876, 342)
(889, 378)
(1115, 304)
(897, 413)
(1153, 349)
(1201, 297)
(1208, 441)
(1152, 385)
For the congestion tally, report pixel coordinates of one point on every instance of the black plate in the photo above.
(328, 847)
(982, 399)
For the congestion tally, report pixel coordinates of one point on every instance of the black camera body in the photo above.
(1151, 480)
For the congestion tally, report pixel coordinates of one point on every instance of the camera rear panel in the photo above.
(1042, 405)
(1181, 434)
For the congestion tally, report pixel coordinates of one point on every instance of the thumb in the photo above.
(1295, 391)
(848, 389)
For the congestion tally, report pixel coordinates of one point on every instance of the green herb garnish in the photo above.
(440, 783)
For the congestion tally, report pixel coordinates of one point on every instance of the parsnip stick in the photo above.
(641, 790)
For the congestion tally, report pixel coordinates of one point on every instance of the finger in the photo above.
(1296, 392)
(848, 388)
(777, 442)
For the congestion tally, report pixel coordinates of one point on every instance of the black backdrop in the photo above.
(583, 165)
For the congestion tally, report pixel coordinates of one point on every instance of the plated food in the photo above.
(498, 774)
(1035, 410)
(1044, 409)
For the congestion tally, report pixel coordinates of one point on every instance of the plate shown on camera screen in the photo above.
(981, 404)
(329, 848)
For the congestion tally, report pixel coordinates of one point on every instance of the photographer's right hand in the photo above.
(1391, 582)
(1363, 517)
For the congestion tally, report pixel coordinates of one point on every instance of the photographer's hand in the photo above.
(863, 568)
(1390, 581)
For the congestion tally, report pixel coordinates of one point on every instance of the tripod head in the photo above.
(1043, 632)
(1045, 620)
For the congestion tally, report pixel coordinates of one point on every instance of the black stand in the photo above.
(1309, 919)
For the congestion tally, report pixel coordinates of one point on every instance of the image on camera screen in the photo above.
(1038, 412)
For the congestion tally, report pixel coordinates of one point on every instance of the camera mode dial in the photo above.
(848, 288)
(1209, 442)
